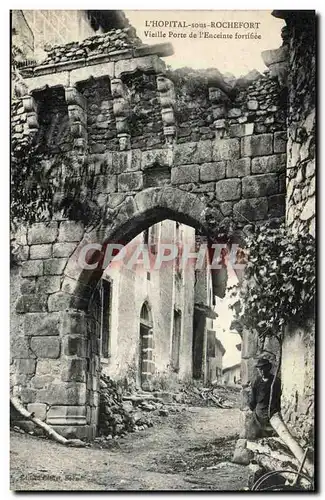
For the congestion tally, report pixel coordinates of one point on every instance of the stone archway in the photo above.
(65, 338)
(230, 171)
(71, 398)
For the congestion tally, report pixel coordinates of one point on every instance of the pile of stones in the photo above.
(114, 417)
(120, 414)
(113, 40)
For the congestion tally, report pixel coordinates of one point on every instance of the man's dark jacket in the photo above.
(260, 397)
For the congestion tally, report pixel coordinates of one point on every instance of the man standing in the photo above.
(261, 393)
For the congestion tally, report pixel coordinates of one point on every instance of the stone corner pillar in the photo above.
(31, 110)
(77, 112)
(167, 99)
(121, 110)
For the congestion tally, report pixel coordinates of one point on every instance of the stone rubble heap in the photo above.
(219, 396)
(107, 43)
(119, 415)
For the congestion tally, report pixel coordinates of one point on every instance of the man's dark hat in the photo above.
(263, 362)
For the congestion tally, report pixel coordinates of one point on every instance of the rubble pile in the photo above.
(107, 43)
(114, 417)
(217, 395)
(120, 414)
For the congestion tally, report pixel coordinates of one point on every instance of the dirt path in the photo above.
(188, 451)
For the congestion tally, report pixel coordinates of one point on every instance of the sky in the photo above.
(221, 324)
(235, 56)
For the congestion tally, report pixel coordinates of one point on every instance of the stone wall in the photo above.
(232, 173)
(298, 380)
(301, 173)
(298, 352)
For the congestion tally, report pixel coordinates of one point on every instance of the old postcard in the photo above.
(163, 250)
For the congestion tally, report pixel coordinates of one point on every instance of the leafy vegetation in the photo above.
(279, 281)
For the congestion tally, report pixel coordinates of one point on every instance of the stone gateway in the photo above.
(218, 156)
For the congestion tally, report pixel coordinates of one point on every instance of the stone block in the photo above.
(31, 303)
(73, 322)
(48, 284)
(221, 123)
(106, 184)
(245, 398)
(312, 227)
(280, 142)
(218, 112)
(21, 253)
(241, 129)
(19, 348)
(42, 324)
(309, 209)
(121, 161)
(32, 268)
(42, 381)
(71, 231)
(312, 187)
(234, 112)
(247, 370)
(213, 171)
(64, 393)
(249, 429)
(21, 236)
(193, 153)
(208, 187)
(251, 209)
(54, 266)
(249, 344)
(228, 189)
(66, 415)
(38, 409)
(256, 186)
(46, 347)
(226, 208)
(257, 145)
(59, 301)
(185, 174)
(238, 168)
(28, 285)
(40, 251)
(225, 149)
(74, 345)
(242, 456)
(49, 367)
(267, 164)
(74, 370)
(130, 181)
(63, 249)
(27, 395)
(276, 205)
(42, 232)
(310, 168)
(252, 104)
(161, 157)
(26, 366)
(69, 285)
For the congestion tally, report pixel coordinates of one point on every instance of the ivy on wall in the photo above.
(279, 280)
(42, 184)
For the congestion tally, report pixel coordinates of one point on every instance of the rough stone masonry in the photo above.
(206, 155)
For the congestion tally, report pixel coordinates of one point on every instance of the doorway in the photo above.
(146, 362)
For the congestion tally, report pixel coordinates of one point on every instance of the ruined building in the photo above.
(212, 155)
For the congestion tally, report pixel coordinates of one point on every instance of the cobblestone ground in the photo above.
(187, 451)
